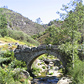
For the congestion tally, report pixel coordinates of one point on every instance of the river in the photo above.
(45, 80)
(46, 76)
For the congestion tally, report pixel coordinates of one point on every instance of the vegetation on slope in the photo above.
(21, 36)
(11, 70)
(17, 35)
(16, 21)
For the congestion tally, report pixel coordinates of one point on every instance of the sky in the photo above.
(33, 9)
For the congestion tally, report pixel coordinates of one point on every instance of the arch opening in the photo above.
(39, 65)
(48, 53)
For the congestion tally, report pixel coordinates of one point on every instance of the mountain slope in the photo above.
(18, 22)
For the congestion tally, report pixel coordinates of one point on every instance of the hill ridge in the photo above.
(16, 21)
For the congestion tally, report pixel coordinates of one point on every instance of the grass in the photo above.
(45, 56)
(10, 40)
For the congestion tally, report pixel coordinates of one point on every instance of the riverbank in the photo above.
(53, 76)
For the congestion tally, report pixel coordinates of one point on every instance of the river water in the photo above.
(44, 79)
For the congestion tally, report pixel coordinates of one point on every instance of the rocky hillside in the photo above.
(56, 23)
(41, 38)
(18, 22)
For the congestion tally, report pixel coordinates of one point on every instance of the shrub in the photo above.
(19, 35)
(38, 63)
(9, 59)
(78, 73)
(6, 76)
(50, 73)
(8, 54)
(3, 32)
(51, 67)
(42, 63)
(35, 70)
(43, 67)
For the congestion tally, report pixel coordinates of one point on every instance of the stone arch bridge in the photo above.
(29, 54)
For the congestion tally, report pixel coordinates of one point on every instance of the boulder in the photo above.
(22, 73)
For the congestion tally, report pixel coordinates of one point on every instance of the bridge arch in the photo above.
(29, 55)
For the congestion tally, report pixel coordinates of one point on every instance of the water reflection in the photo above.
(45, 80)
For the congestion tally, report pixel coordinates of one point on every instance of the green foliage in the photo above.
(8, 57)
(3, 32)
(3, 21)
(38, 64)
(17, 64)
(38, 35)
(72, 27)
(4, 59)
(50, 73)
(42, 57)
(7, 65)
(35, 70)
(70, 32)
(44, 67)
(51, 67)
(6, 76)
(78, 72)
(68, 47)
(19, 35)
(3, 25)
(55, 35)
(9, 54)
(42, 63)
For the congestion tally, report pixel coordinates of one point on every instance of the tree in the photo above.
(38, 20)
(73, 22)
(73, 27)
(3, 32)
(55, 35)
(68, 35)
(3, 22)
(3, 25)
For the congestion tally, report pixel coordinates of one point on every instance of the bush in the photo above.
(17, 64)
(7, 73)
(78, 73)
(9, 59)
(38, 63)
(19, 35)
(8, 54)
(3, 32)
(50, 73)
(35, 70)
(6, 76)
(42, 63)
(51, 67)
(43, 67)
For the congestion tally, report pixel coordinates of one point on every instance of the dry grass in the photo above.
(7, 40)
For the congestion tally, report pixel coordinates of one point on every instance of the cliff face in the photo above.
(18, 22)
